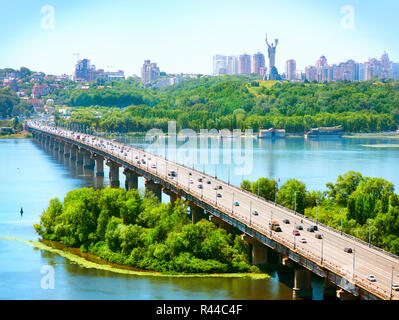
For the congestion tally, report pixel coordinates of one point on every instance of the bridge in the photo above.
(236, 210)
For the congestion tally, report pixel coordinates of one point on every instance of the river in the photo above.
(30, 176)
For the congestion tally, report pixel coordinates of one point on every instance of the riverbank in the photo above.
(88, 260)
(19, 135)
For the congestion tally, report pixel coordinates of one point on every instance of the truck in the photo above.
(275, 226)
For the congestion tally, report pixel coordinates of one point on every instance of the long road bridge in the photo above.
(236, 210)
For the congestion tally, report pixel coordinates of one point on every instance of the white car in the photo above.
(395, 287)
(302, 240)
(371, 278)
(153, 166)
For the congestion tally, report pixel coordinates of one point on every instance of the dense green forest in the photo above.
(126, 227)
(363, 202)
(238, 102)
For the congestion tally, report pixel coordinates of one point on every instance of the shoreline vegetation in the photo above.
(19, 135)
(91, 261)
(136, 230)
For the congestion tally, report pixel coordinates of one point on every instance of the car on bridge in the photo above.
(302, 240)
(255, 213)
(395, 287)
(286, 221)
(310, 229)
(275, 226)
(219, 195)
(295, 232)
(200, 186)
(348, 250)
(318, 236)
(299, 227)
(371, 278)
(236, 204)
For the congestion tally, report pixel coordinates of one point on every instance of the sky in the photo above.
(183, 35)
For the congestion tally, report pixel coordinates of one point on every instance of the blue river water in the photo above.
(30, 176)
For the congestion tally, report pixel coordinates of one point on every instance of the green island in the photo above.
(365, 204)
(128, 228)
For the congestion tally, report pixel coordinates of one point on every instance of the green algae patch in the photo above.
(381, 145)
(90, 261)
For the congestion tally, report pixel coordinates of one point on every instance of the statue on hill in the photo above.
(272, 73)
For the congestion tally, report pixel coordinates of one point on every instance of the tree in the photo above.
(291, 193)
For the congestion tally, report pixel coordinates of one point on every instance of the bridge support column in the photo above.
(99, 165)
(155, 188)
(61, 147)
(220, 223)
(79, 156)
(302, 283)
(113, 173)
(67, 150)
(197, 213)
(73, 152)
(329, 289)
(89, 162)
(173, 196)
(132, 179)
(259, 250)
(56, 145)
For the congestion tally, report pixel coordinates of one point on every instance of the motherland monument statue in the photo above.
(272, 73)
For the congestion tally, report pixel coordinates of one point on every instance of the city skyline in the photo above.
(182, 37)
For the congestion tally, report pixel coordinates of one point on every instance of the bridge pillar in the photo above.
(89, 162)
(132, 179)
(221, 223)
(173, 196)
(329, 289)
(80, 155)
(302, 283)
(67, 150)
(99, 165)
(73, 152)
(113, 173)
(56, 145)
(345, 295)
(259, 250)
(302, 279)
(197, 213)
(155, 188)
(61, 145)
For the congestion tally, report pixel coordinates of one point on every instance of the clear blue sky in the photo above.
(183, 35)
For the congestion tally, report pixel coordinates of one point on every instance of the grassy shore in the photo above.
(19, 135)
(371, 136)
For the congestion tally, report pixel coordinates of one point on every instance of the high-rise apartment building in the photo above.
(232, 65)
(244, 64)
(258, 62)
(149, 72)
(84, 71)
(290, 69)
(219, 65)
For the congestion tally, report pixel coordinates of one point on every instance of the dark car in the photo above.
(348, 250)
(318, 236)
(299, 227)
(315, 228)
(286, 221)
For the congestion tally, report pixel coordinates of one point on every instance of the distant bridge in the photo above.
(345, 273)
